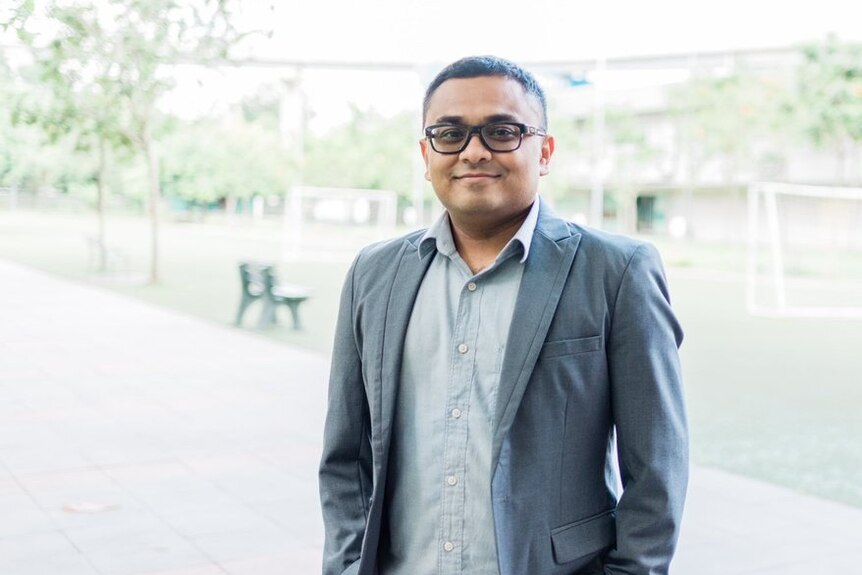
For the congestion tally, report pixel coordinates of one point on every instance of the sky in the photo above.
(438, 31)
(428, 34)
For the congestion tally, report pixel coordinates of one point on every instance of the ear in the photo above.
(423, 145)
(545, 157)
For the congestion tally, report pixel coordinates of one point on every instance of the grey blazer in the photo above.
(590, 396)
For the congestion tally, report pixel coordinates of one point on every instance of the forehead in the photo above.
(476, 99)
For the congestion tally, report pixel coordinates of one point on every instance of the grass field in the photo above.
(776, 399)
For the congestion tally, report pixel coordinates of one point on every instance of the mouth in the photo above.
(476, 176)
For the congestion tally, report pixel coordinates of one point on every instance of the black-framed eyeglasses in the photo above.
(496, 136)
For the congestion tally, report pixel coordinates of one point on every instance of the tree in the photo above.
(214, 159)
(724, 118)
(370, 151)
(734, 120)
(628, 147)
(107, 62)
(27, 160)
(828, 103)
(74, 108)
(633, 153)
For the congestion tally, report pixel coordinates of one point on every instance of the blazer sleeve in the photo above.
(346, 463)
(650, 419)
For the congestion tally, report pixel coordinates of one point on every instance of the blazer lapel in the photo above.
(547, 267)
(410, 269)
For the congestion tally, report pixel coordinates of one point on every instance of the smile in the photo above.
(471, 176)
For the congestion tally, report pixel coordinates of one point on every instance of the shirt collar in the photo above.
(439, 236)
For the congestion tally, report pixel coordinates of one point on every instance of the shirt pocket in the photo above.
(566, 347)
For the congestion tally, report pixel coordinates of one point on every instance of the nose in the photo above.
(476, 151)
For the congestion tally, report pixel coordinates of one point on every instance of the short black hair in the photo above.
(479, 66)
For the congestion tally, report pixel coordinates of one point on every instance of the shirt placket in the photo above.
(464, 339)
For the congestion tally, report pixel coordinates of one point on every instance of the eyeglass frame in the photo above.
(524, 129)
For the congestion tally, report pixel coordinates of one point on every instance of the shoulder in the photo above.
(612, 245)
(383, 251)
(380, 256)
(599, 248)
(613, 253)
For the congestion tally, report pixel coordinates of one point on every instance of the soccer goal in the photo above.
(331, 224)
(804, 251)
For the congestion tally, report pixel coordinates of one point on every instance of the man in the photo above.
(495, 378)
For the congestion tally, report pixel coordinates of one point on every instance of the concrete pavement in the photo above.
(135, 440)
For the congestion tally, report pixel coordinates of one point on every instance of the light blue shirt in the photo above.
(439, 488)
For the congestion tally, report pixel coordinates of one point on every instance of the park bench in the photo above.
(114, 259)
(259, 282)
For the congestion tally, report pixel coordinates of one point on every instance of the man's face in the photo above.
(478, 186)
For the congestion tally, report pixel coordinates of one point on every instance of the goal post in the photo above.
(326, 224)
(804, 251)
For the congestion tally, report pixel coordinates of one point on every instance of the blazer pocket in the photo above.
(571, 346)
(584, 537)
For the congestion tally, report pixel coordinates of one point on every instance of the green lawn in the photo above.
(777, 399)
(199, 273)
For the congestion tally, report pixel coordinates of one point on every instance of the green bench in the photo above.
(259, 282)
(103, 258)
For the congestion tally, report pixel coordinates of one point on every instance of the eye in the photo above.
(449, 134)
(502, 132)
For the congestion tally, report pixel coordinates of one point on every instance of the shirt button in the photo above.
(471, 286)
(452, 480)
(456, 413)
(463, 348)
(448, 546)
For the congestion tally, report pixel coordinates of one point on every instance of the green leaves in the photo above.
(752, 116)
(829, 85)
(216, 158)
(370, 151)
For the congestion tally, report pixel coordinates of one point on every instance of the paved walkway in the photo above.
(134, 440)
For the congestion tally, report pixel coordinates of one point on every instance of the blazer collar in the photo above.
(439, 235)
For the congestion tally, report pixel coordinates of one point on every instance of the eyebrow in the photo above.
(459, 120)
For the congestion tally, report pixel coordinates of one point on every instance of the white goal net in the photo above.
(323, 224)
(804, 251)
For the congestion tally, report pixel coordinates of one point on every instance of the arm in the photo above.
(649, 414)
(345, 467)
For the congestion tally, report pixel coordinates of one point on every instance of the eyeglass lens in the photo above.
(498, 137)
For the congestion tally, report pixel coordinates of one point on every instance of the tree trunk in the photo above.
(230, 210)
(155, 200)
(843, 157)
(101, 238)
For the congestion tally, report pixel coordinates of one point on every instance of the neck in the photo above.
(480, 243)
